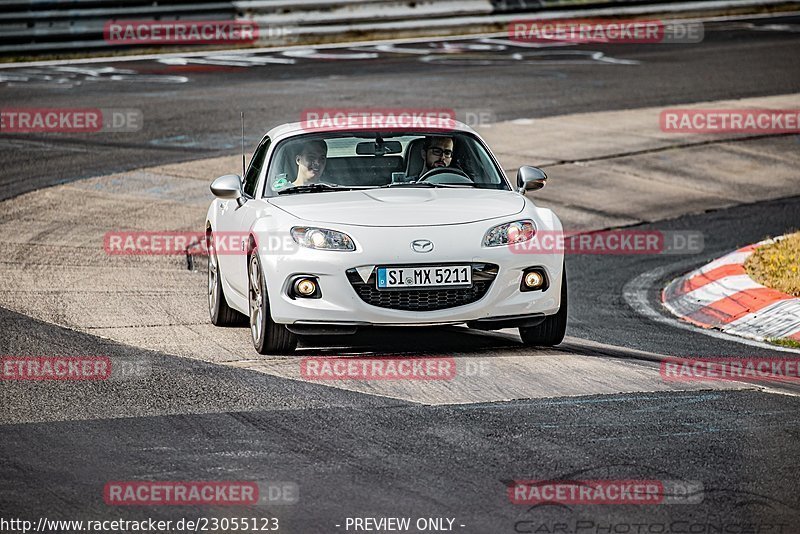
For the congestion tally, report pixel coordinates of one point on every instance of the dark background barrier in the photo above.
(36, 27)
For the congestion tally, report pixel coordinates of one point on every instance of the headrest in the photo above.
(414, 161)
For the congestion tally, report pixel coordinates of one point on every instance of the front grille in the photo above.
(483, 274)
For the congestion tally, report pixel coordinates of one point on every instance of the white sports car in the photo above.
(336, 230)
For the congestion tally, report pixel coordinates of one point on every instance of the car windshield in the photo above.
(329, 162)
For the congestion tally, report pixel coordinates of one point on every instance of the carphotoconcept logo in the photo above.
(70, 120)
(582, 31)
(715, 121)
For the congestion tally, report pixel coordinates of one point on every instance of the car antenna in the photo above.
(243, 164)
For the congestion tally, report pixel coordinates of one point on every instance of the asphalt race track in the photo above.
(192, 111)
(353, 454)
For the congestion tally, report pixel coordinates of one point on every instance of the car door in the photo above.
(234, 221)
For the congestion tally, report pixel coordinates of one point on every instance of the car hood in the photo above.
(401, 206)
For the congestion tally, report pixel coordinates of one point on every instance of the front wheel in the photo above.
(551, 331)
(221, 314)
(268, 336)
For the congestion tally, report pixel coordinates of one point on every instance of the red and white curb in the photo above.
(721, 295)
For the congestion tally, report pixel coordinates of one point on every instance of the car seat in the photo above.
(414, 161)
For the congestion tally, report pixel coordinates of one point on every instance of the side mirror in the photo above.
(530, 179)
(228, 187)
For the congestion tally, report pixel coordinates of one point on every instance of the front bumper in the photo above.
(311, 328)
(340, 304)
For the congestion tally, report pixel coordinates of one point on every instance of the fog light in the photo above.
(534, 280)
(305, 287)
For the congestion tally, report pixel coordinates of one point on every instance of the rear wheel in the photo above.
(268, 336)
(221, 314)
(551, 331)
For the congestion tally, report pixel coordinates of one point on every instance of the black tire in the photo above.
(268, 336)
(220, 313)
(550, 332)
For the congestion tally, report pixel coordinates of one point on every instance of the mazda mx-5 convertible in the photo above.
(336, 230)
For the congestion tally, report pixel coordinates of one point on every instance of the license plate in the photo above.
(408, 277)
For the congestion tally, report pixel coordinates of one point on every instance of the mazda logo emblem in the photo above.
(421, 245)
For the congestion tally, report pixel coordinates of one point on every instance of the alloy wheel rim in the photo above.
(256, 298)
(212, 281)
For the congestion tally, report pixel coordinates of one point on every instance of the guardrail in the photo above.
(33, 27)
(41, 26)
(312, 21)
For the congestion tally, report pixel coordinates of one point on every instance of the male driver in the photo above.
(436, 152)
(311, 161)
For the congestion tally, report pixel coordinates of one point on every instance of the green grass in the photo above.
(784, 342)
(777, 265)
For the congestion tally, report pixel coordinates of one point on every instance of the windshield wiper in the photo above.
(311, 188)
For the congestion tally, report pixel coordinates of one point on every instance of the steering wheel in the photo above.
(463, 178)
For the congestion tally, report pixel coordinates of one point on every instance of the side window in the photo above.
(254, 170)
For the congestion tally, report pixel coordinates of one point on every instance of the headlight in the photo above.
(509, 233)
(322, 238)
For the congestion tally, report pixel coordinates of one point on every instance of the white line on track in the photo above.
(635, 294)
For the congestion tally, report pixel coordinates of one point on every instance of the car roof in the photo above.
(292, 129)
